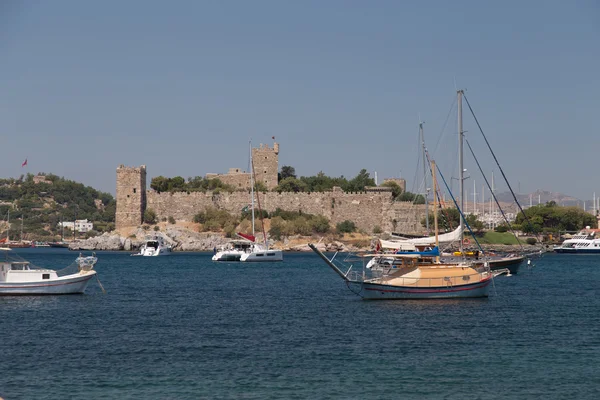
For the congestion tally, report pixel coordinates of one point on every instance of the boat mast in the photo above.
(8, 230)
(460, 165)
(21, 227)
(252, 186)
(262, 222)
(422, 136)
(435, 215)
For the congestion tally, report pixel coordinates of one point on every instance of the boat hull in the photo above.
(375, 291)
(262, 256)
(227, 256)
(576, 251)
(71, 284)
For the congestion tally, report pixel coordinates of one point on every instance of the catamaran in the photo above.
(248, 249)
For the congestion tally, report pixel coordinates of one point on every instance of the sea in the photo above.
(184, 327)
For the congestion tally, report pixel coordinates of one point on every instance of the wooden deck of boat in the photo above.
(437, 275)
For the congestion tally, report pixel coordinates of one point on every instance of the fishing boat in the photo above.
(584, 242)
(20, 277)
(419, 275)
(154, 246)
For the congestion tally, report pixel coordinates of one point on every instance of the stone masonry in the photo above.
(131, 196)
(266, 167)
(366, 209)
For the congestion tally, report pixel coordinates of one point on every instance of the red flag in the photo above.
(24, 163)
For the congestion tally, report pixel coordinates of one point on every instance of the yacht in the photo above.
(233, 250)
(584, 242)
(154, 246)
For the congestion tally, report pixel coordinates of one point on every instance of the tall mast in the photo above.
(422, 135)
(435, 215)
(460, 165)
(252, 186)
(8, 230)
(21, 227)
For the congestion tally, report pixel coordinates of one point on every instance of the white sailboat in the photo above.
(247, 249)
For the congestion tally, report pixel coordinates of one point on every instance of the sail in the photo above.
(409, 244)
(247, 237)
(443, 238)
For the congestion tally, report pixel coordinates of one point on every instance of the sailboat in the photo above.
(259, 252)
(511, 262)
(14, 244)
(247, 249)
(416, 276)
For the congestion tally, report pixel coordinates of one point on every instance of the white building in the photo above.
(81, 225)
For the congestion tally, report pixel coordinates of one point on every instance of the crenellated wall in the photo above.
(366, 210)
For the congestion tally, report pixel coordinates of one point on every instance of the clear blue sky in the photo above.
(181, 87)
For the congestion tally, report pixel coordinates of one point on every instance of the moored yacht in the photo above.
(584, 242)
(154, 246)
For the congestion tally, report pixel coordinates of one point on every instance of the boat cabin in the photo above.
(20, 271)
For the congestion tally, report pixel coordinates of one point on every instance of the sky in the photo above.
(183, 86)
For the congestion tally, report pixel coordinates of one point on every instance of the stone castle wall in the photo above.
(366, 210)
(266, 168)
(131, 196)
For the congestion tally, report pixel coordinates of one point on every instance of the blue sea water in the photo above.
(183, 327)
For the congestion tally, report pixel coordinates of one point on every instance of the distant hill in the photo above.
(541, 196)
(44, 200)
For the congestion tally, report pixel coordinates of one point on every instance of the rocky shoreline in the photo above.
(182, 239)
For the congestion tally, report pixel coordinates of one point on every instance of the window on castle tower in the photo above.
(265, 171)
(134, 190)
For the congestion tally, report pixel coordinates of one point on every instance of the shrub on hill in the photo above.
(346, 227)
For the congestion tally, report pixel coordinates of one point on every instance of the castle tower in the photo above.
(131, 196)
(266, 164)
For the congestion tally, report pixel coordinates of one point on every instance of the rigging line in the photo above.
(493, 195)
(437, 191)
(460, 211)
(497, 163)
(444, 126)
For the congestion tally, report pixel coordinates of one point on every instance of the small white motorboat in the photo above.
(19, 277)
(154, 246)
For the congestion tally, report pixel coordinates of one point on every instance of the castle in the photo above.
(370, 209)
(266, 166)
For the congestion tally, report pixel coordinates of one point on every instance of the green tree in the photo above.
(291, 184)
(396, 189)
(286, 172)
(149, 216)
(346, 227)
(359, 182)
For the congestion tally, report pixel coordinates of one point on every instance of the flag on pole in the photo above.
(24, 163)
(273, 137)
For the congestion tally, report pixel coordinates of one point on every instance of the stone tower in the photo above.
(266, 164)
(131, 196)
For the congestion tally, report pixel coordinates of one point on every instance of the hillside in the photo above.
(38, 203)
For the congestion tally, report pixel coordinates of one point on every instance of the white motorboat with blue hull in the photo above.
(19, 277)
(584, 242)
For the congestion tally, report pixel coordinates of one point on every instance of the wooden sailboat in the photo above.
(415, 278)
